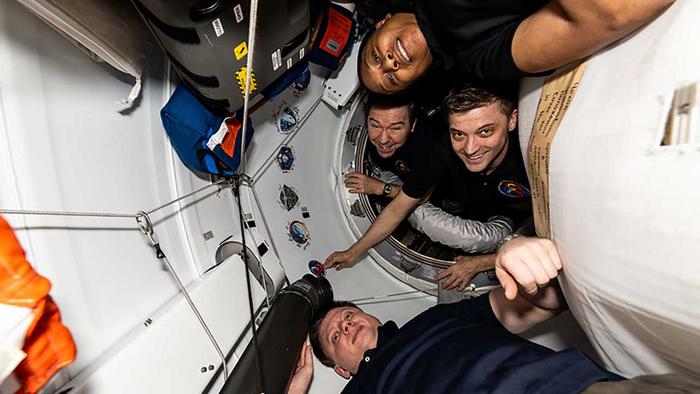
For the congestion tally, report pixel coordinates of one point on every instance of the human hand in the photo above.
(357, 182)
(340, 260)
(459, 274)
(304, 372)
(526, 261)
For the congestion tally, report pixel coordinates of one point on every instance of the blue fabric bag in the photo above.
(205, 142)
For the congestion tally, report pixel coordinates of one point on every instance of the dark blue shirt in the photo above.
(463, 348)
(416, 163)
(474, 36)
(478, 196)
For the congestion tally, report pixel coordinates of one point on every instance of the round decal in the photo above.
(316, 268)
(513, 189)
(299, 233)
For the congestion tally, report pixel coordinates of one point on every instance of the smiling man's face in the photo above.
(345, 334)
(480, 136)
(395, 55)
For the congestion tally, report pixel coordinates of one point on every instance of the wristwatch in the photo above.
(387, 189)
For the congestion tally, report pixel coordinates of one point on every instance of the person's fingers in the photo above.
(543, 267)
(308, 358)
(535, 263)
(463, 285)
(519, 272)
(510, 288)
(443, 274)
(451, 281)
(330, 260)
(553, 255)
(550, 261)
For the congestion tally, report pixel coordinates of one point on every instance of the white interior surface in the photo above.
(173, 333)
(625, 209)
(65, 146)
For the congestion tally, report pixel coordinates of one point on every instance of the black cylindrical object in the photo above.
(207, 43)
(280, 338)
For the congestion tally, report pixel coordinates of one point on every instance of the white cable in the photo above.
(252, 22)
(103, 214)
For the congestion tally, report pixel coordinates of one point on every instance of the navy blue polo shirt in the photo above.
(463, 348)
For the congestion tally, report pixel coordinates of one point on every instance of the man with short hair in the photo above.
(496, 40)
(483, 179)
(483, 135)
(406, 146)
(469, 346)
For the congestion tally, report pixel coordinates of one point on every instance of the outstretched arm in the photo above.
(471, 236)
(566, 30)
(388, 220)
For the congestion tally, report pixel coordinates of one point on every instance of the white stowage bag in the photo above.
(624, 209)
(109, 31)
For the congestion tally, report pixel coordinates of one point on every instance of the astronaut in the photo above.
(490, 177)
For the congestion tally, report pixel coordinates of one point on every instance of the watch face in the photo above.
(387, 189)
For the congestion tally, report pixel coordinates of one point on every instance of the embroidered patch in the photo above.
(286, 158)
(513, 189)
(288, 197)
(299, 233)
(286, 118)
(402, 167)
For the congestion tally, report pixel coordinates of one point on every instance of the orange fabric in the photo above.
(48, 343)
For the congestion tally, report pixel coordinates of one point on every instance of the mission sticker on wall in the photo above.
(286, 118)
(288, 197)
(286, 158)
(241, 77)
(299, 233)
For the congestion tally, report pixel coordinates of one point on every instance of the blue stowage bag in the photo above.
(204, 141)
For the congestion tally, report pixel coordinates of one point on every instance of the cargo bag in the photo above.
(205, 142)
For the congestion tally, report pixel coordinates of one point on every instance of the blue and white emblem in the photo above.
(513, 189)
